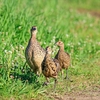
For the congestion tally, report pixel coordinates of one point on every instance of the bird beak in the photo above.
(33, 28)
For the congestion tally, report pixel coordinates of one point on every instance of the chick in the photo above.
(63, 58)
(34, 53)
(50, 67)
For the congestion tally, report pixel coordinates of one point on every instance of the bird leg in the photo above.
(62, 73)
(40, 70)
(37, 77)
(47, 82)
(67, 78)
(55, 84)
(24, 65)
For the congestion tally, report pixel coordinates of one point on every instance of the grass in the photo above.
(56, 20)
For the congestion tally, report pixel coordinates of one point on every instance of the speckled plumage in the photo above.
(50, 66)
(62, 56)
(34, 53)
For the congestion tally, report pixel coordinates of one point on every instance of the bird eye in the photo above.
(34, 28)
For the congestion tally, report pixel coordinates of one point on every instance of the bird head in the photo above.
(60, 43)
(48, 50)
(33, 30)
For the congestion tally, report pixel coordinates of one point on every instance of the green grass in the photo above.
(56, 20)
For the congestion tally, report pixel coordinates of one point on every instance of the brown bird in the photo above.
(50, 67)
(63, 58)
(34, 53)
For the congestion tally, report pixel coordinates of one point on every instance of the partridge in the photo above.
(63, 57)
(50, 66)
(34, 53)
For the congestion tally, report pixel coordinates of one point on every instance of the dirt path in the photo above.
(89, 93)
(81, 95)
(92, 12)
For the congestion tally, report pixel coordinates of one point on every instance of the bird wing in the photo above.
(56, 62)
(67, 54)
(57, 65)
(42, 49)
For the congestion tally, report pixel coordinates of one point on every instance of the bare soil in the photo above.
(81, 95)
(92, 12)
(90, 95)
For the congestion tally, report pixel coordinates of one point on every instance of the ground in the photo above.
(78, 95)
(94, 13)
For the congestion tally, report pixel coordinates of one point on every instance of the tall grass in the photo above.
(55, 21)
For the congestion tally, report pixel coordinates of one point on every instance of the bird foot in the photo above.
(68, 79)
(45, 83)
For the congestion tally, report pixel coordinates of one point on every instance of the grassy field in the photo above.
(56, 20)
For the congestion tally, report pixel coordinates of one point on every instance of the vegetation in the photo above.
(56, 20)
